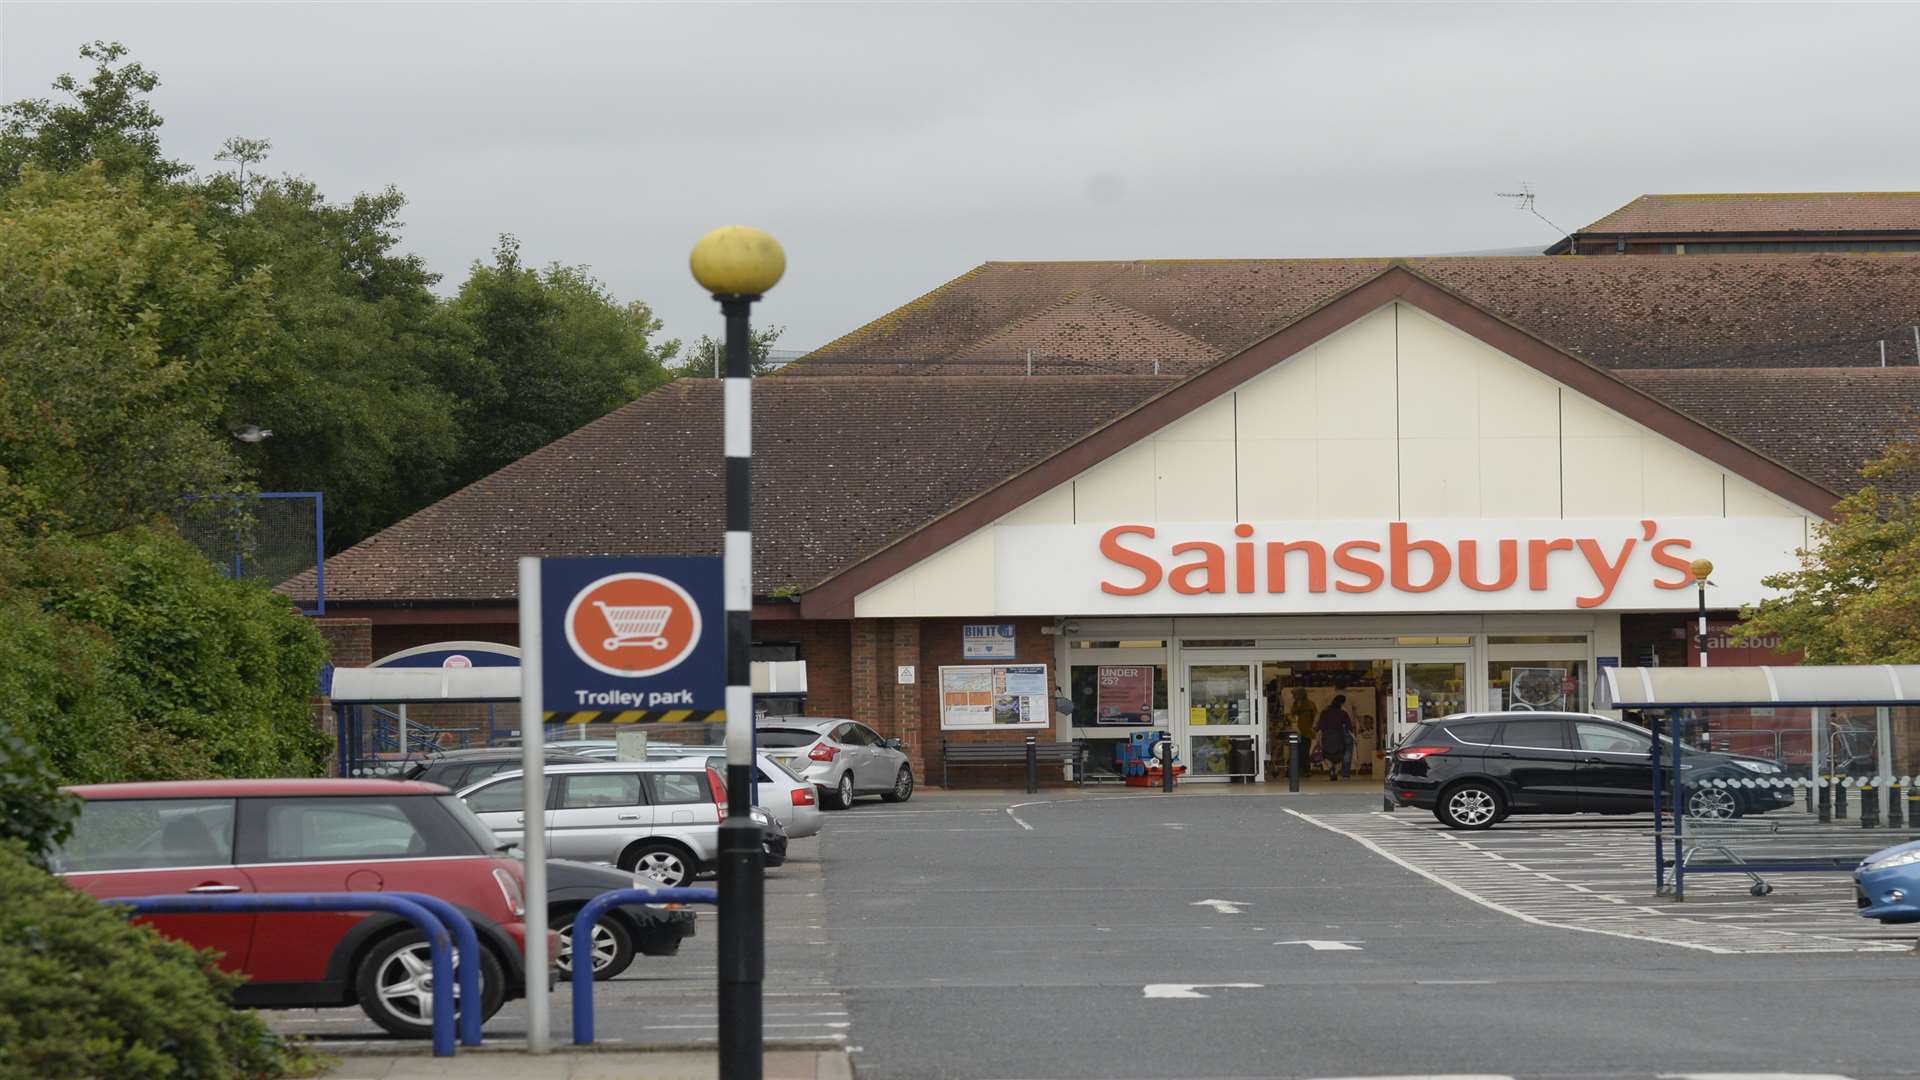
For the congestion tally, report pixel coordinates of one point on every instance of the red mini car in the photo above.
(282, 836)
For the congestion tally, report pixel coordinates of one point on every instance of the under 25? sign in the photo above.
(631, 635)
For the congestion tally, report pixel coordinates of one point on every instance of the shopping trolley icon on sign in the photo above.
(636, 626)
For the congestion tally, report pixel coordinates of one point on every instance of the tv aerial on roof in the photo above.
(1523, 200)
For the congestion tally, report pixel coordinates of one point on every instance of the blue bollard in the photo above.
(583, 943)
(439, 943)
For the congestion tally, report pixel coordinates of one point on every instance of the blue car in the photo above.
(1887, 884)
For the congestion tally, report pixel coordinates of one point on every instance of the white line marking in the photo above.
(1752, 1076)
(1501, 908)
(1224, 907)
(1317, 945)
(1189, 991)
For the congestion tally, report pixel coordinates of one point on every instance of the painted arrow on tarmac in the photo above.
(1188, 991)
(1224, 907)
(1325, 946)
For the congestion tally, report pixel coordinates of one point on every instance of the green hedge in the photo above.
(86, 994)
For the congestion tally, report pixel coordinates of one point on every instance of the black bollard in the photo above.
(1839, 798)
(1166, 764)
(1869, 805)
(1826, 798)
(1033, 765)
(1293, 761)
(1896, 804)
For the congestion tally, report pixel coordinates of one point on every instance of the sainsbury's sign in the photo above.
(1358, 566)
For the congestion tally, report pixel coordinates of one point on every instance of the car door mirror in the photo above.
(894, 744)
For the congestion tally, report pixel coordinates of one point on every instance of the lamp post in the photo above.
(1701, 569)
(737, 265)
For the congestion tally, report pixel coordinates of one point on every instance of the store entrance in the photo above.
(1300, 694)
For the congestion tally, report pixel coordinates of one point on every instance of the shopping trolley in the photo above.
(635, 625)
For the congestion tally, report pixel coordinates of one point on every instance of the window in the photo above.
(1119, 706)
(133, 834)
(1612, 740)
(507, 795)
(1481, 733)
(1538, 673)
(585, 791)
(1547, 734)
(308, 830)
(866, 736)
(786, 738)
(674, 788)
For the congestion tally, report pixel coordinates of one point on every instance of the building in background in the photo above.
(1754, 223)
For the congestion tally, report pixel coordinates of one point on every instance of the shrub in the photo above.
(84, 993)
(34, 813)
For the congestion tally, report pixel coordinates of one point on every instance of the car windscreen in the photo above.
(784, 768)
(787, 738)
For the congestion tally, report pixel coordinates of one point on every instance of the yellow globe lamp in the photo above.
(1702, 568)
(738, 260)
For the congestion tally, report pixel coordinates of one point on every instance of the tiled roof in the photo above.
(841, 466)
(1827, 310)
(1824, 423)
(1764, 212)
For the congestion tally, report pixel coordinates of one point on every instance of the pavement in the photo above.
(617, 1065)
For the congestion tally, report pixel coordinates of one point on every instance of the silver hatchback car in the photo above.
(843, 758)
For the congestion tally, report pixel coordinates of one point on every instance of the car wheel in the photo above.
(902, 786)
(841, 797)
(1473, 805)
(663, 864)
(1713, 804)
(612, 945)
(395, 984)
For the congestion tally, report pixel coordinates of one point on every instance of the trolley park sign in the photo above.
(1454, 565)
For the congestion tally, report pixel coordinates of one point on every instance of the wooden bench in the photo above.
(1011, 753)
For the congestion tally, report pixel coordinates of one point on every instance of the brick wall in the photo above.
(349, 641)
(941, 643)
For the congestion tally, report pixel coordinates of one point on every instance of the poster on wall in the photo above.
(1540, 689)
(1124, 695)
(989, 696)
(987, 641)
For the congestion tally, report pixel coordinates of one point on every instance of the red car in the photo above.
(284, 836)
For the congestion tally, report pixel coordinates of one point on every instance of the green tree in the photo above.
(707, 359)
(1855, 597)
(107, 119)
(357, 383)
(124, 332)
(554, 350)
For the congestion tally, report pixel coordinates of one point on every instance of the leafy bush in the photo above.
(84, 993)
(130, 657)
(34, 813)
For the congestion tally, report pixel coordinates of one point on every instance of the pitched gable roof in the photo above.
(1764, 212)
(841, 465)
(1827, 310)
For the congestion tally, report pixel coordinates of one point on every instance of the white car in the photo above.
(656, 819)
(788, 797)
(842, 758)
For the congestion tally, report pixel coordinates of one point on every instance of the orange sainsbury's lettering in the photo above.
(1673, 562)
(1212, 565)
(1537, 551)
(1369, 570)
(1470, 566)
(1147, 565)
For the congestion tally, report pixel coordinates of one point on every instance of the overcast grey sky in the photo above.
(891, 147)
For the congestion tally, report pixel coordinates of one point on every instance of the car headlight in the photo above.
(1760, 767)
(1905, 858)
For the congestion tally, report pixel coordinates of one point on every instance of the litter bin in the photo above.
(1241, 762)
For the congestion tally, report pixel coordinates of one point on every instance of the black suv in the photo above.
(1475, 769)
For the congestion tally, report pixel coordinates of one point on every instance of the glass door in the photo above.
(1426, 688)
(1224, 732)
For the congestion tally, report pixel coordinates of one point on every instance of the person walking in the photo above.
(1336, 738)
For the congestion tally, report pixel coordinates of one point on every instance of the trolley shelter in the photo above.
(374, 734)
(1844, 739)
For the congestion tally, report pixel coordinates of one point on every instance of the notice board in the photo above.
(978, 697)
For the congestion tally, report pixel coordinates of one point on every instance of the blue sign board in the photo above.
(620, 635)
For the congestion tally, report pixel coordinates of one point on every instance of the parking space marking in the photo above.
(1595, 890)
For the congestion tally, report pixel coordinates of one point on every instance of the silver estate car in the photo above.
(660, 820)
(840, 757)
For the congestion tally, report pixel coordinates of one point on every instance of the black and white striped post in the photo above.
(737, 264)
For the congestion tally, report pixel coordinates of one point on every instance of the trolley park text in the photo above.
(650, 699)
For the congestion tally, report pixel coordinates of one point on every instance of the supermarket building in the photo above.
(1226, 493)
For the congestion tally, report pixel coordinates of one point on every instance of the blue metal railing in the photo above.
(583, 943)
(431, 915)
